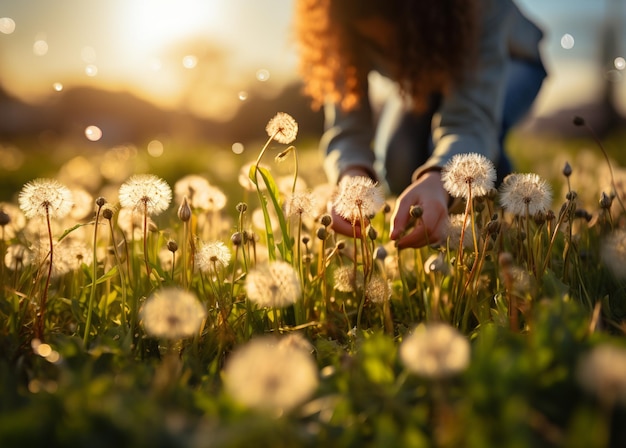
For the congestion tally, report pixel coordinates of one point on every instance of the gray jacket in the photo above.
(468, 119)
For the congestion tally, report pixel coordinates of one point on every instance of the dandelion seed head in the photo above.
(435, 350)
(62, 261)
(267, 375)
(613, 252)
(300, 204)
(466, 174)
(146, 193)
(358, 196)
(172, 313)
(16, 220)
(73, 253)
(282, 128)
(212, 256)
(130, 221)
(344, 280)
(601, 373)
(454, 228)
(520, 193)
(378, 290)
(17, 256)
(45, 196)
(274, 284)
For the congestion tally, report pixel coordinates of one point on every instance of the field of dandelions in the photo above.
(137, 312)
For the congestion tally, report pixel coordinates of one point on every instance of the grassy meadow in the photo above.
(201, 299)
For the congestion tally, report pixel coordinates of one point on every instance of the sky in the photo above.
(209, 55)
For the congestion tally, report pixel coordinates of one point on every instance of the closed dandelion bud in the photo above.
(493, 226)
(578, 121)
(416, 211)
(4, 218)
(567, 170)
(322, 233)
(172, 246)
(242, 207)
(107, 213)
(101, 201)
(539, 218)
(386, 208)
(372, 234)
(326, 220)
(236, 238)
(305, 240)
(571, 195)
(605, 201)
(380, 253)
(550, 215)
(184, 211)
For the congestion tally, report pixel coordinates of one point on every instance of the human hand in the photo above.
(429, 194)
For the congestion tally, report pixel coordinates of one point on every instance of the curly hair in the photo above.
(430, 46)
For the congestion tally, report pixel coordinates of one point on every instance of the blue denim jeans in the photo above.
(400, 132)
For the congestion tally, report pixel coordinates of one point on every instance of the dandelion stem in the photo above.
(39, 328)
(92, 294)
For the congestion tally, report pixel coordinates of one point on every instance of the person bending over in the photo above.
(456, 75)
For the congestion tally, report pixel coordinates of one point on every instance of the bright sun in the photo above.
(155, 24)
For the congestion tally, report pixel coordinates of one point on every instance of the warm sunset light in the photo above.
(191, 54)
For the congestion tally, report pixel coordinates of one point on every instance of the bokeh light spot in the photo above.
(237, 147)
(88, 54)
(567, 41)
(57, 86)
(91, 70)
(155, 148)
(262, 75)
(190, 61)
(93, 133)
(40, 47)
(619, 63)
(242, 95)
(7, 25)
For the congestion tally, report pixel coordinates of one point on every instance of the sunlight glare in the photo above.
(7, 25)
(156, 24)
(57, 86)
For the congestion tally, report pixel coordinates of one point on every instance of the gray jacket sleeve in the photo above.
(468, 120)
